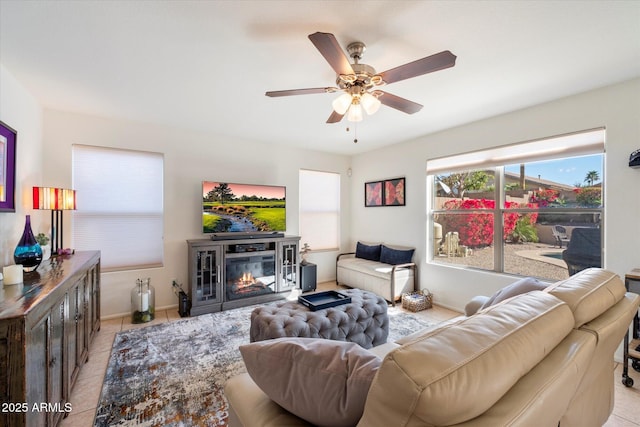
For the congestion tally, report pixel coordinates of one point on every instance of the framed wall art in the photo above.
(394, 194)
(373, 193)
(7, 168)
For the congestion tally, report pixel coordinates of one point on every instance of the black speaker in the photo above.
(308, 274)
(183, 304)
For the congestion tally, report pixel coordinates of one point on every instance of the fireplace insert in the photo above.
(249, 275)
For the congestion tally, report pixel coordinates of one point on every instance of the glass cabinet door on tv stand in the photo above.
(206, 278)
(288, 263)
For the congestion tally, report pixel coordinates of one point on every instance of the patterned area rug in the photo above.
(173, 374)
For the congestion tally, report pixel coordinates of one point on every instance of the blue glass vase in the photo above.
(28, 252)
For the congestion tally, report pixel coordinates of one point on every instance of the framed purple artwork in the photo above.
(394, 194)
(7, 168)
(373, 193)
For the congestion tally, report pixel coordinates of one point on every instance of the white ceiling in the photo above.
(205, 65)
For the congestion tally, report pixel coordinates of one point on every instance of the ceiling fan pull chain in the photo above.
(355, 132)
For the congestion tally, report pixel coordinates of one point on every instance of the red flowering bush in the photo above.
(544, 196)
(588, 196)
(476, 229)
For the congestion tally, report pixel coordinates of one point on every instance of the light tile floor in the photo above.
(86, 392)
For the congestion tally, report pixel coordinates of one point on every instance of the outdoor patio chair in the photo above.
(584, 250)
(560, 233)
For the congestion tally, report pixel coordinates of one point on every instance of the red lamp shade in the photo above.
(57, 199)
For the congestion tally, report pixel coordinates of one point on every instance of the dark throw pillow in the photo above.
(370, 252)
(324, 382)
(395, 256)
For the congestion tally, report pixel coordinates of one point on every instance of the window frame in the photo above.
(500, 195)
(142, 225)
(303, 211)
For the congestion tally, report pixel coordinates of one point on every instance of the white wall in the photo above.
(189, 158)
(45, 159)
(20, 111)
(616, 107)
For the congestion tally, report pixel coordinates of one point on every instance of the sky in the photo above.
(569, 171)
(267, 191)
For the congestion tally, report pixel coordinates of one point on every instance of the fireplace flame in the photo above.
(246, 279)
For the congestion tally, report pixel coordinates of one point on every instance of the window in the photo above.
(515, 209)
(120, 206)
(320, 209)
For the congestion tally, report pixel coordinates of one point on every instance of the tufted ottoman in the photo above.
(363, 321)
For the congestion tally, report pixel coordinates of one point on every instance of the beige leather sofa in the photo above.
(545, 358)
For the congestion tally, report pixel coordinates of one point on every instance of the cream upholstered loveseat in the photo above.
(386, 270)
(543, 358)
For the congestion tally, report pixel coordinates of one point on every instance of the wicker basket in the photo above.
(417, 301)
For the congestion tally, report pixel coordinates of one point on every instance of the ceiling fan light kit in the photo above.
(342, 103)
(370, 103)
(357, 81)
(353, 101)
(355, 113)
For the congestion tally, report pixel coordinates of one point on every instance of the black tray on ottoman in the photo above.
(321, 300)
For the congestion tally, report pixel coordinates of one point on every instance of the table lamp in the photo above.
(56, 200)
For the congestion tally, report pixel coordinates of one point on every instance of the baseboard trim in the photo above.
(117, 315)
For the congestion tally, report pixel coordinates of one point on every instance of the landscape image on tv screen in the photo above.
(228, 207)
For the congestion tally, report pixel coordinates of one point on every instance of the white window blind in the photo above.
(120, 206)
(320, 209)
(571, 145)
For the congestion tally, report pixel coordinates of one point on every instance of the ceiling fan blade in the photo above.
(301, 91)
(432, 63)
(328, 46)
(399, 103)
(335, 117)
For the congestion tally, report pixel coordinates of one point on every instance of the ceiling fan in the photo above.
(359, 82)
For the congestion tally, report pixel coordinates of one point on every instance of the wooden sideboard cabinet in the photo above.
(46, 327)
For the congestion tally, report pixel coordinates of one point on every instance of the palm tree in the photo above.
(592, 176)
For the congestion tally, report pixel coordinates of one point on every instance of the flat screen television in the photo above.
(243, 208)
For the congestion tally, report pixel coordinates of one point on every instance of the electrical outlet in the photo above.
(174, 283)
